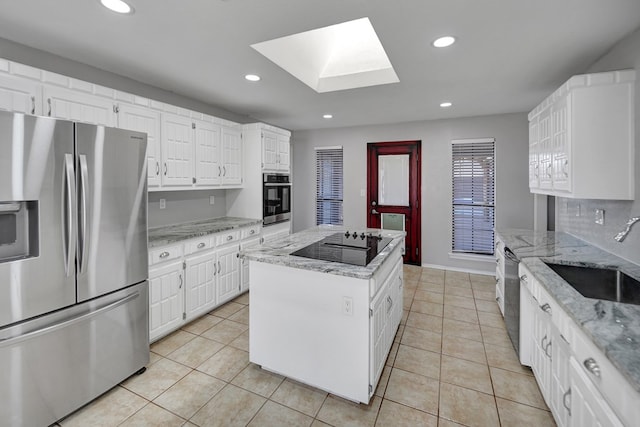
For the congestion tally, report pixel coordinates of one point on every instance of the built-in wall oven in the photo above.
(276, 198)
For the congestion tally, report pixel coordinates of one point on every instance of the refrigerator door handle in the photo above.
(67, 217)
(82, 219)
(67, 322)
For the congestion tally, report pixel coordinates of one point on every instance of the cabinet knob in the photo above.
(523, 278)
(157, 168)
(546, 308)
(592, 366)
(164, 254)
(165, 168)
(33, 105)
(252, 232)
(201, 245)
(229, 238)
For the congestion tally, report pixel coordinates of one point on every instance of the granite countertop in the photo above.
(278, 252)
(160, 236)
(614, 327)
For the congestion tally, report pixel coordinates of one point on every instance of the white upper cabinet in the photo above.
(231, 156)
(20, 95)
(177, 150)
(185, 149)
(69, 104)
(208, 148)
(275, 152)
(581, 138)
(144, 119)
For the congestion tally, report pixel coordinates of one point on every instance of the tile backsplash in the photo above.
(578, 217)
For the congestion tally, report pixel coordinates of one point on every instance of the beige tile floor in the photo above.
(451, 364)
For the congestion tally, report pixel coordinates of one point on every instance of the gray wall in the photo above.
(625, 55)
(184, 206)
(514, 203)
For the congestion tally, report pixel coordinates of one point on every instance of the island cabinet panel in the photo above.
(228, 273)
(326, 330)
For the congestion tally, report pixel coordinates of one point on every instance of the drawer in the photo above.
(165, 253)
(199, 244)
(252, 231)
(227, 237)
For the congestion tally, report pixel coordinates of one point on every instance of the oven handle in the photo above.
(508, 253)
(273, 184)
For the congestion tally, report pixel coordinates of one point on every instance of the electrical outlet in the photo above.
(578, 209)
(211, 200)
(163, 203)
(600, 216)
(347, 306)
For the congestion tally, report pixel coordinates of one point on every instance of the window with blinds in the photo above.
(473, 212)
(329, 186)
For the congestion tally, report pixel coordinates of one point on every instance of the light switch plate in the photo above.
(211, 200)
(163, 203)
(600, 216)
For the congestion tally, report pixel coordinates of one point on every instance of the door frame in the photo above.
(413, 239)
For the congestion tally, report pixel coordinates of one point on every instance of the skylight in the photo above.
(337, 57)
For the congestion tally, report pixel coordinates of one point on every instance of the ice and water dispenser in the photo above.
(18, 230)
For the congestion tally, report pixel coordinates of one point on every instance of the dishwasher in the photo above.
(512, 297)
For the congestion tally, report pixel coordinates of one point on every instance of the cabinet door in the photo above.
(177, 150)
(19, 95)
(559, 379)
(244, 263)
(68, 104)
(545, 154)
(208, 159)
(377, 332)
(228, 271)
(284, 160)
(166, 299)
(534, 167)
(201, 285)
(588, 408)
(141, 119)
(269, 151)
(541, 351)
(561, 168)
(232, 156)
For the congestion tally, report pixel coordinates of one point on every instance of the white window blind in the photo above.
(329, 186)
(473, 213)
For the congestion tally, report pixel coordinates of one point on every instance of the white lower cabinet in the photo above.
(385, 316)
(244, 263)
(228, 273)
(588, 408)
(191, 278)
(579, 384)
(166, 298)
(201, 284)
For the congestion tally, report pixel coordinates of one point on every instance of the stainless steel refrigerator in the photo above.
(73, 264)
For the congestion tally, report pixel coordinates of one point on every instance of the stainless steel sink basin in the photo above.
(600, 283)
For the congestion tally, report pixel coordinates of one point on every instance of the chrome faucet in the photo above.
(621, 235)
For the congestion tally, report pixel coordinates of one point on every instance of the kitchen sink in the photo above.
(600, 283)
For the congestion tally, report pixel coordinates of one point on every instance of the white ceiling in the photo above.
(510, 54)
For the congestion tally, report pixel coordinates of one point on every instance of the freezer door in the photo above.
(112, 209)
(54, 364)
(37, 275)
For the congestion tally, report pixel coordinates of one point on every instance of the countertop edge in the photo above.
(170, 234)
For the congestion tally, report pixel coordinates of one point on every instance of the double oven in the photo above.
(276, 198)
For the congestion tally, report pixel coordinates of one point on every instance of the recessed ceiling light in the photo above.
(446, 104)
(444, 41)
(117, 6)
(328, 116)
(252, 77)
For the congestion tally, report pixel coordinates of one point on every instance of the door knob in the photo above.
(373, 203)
(374, 212)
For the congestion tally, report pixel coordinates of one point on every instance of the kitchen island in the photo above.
(326, 324)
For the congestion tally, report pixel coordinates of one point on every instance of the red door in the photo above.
(393, 191)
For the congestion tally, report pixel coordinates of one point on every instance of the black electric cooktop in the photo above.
(348, 248)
